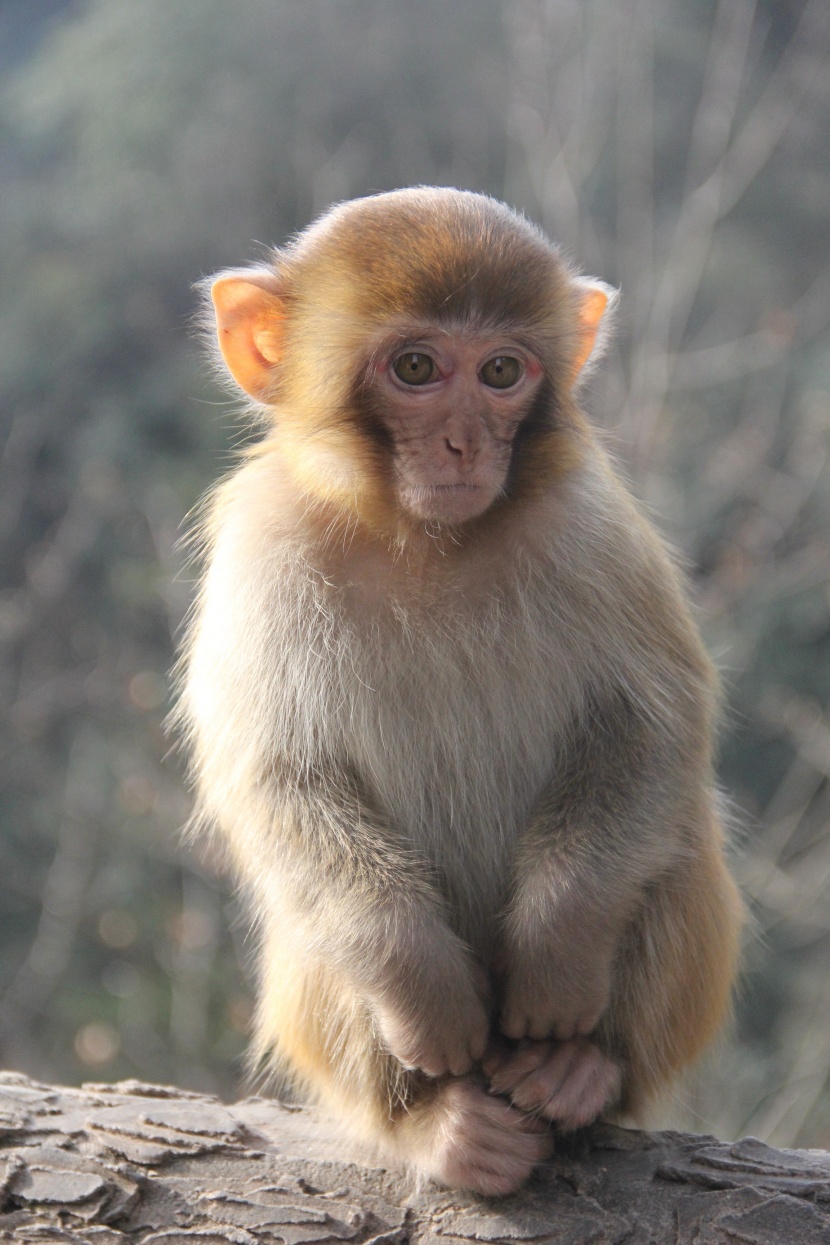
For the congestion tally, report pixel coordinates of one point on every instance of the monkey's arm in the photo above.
(627, 801)
(263, 677)
(363, 904)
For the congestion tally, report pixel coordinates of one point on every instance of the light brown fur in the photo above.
(464, 769)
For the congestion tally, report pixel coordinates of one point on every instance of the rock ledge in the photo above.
(116, 1164)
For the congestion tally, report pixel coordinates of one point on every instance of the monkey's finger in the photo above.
(460, 1064)
(523, 1020)
(579, 1025)
(514, 1024)
(478, 1045)
(519, 1064)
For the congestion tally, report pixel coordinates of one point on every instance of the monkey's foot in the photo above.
(569, 1082)
(466, 1138)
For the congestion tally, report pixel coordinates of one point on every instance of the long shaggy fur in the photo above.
(427, 746)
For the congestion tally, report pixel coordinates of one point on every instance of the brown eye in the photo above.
(501, 372)
(414, 369)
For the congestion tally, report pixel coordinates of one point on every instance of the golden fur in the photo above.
(464, 772)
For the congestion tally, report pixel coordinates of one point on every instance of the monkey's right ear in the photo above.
(250, 326)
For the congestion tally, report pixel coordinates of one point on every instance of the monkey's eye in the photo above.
(414, 368)
(501, 372)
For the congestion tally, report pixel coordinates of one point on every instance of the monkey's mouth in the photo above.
(451, 488)
(449, 503)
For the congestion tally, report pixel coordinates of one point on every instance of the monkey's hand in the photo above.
(555, 969)
(543, 998)
(435, 1016)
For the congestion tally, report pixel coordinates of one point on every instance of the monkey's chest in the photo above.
(453, 724)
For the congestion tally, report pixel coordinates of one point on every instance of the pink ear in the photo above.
(593, 301)
(250, 323)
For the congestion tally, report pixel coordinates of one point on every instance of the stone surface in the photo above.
(117, 1164)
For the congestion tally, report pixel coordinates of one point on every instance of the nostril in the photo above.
(454, 449)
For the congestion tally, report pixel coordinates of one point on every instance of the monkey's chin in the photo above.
(450, 504)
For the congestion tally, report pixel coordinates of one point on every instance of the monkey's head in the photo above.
(417, 353)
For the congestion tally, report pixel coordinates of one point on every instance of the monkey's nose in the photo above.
(461, 448)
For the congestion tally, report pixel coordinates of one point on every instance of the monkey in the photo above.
(445, 701)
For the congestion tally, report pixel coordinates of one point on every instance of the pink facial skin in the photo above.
(453, 429)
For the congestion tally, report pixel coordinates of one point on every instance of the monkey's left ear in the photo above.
(595, 302)
(250, 322)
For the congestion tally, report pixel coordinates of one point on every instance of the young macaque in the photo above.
(445, 700)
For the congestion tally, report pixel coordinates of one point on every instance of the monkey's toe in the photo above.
(478, 1142)
(569, 1082)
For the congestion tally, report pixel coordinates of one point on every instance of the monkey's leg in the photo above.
(674, 980)
(320, 1035)
(671, 989)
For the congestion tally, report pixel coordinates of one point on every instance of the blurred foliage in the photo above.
(681, 151)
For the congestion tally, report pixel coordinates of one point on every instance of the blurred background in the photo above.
(680, 151)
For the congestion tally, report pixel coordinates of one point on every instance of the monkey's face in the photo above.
(450, 405)
(416, 352)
